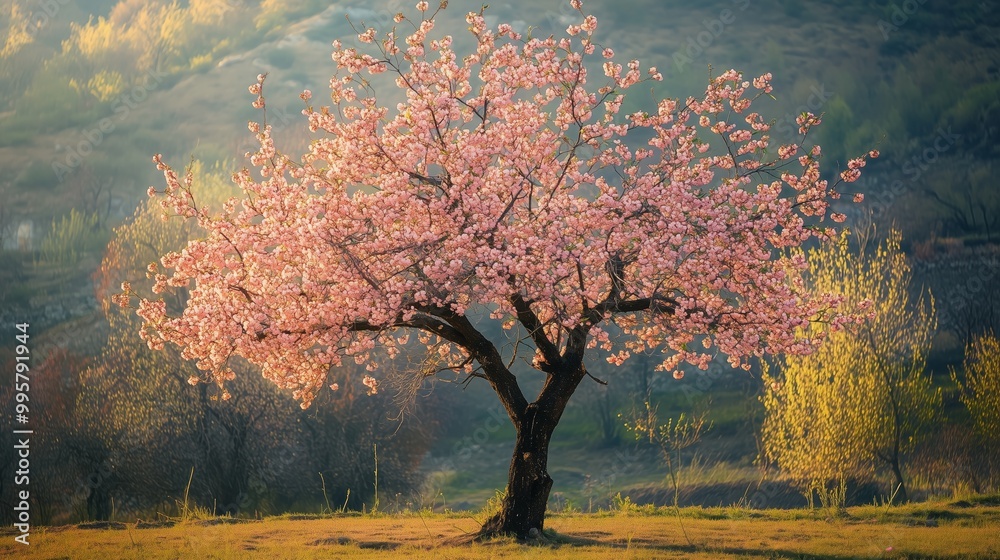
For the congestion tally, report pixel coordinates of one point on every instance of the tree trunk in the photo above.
(528, 480)
(898, 474)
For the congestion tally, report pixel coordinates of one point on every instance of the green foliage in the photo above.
(492, 507)
(18, 70)
(623, 505)
(52, 103)
(78, 78)
(838, 122)
(37, 175)
(71, 237)
(979, 386)
(974, 105)
(274, 14)
(832, 497)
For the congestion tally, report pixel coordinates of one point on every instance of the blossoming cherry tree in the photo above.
(503, 185)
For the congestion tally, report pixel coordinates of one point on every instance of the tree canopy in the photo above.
(501, 181)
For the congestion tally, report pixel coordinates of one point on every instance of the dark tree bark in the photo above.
(528, 480)
(561, 361)
(897, 473)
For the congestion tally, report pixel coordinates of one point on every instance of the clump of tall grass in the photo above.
(71, 237)
(492, 507)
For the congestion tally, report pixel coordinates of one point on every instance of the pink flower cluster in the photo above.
(503, 177)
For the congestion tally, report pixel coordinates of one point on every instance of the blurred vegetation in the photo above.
(897, 81)
(979, 388)
(252, 453)
(70, 237)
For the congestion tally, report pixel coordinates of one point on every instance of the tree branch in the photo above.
(456, 328)
(656, 303)
(485, 352)
(422, 322)
(529, 319)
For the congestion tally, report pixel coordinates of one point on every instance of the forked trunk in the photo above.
(528, 481)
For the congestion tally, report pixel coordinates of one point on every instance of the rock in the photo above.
(534, 533)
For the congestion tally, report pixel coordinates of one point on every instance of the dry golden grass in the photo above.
(919, 531)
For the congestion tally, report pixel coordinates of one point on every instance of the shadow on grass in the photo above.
(556, 540)
(347, 541)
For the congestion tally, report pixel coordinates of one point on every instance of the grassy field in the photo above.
(965, 529)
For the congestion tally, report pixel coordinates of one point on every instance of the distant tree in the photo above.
(863, 400)
(979, 385)
(501, 189)
(970, 206)
(137, 399)
(15, 21)
(153, 426)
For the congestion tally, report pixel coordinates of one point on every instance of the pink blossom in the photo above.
(850, 175)
(368, 36)
(505, 183)
(785, 152)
